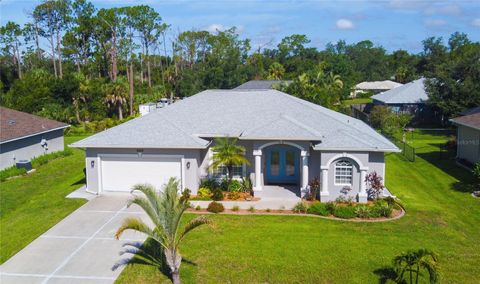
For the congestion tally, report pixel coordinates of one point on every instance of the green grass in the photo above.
(31, 204)
(291, 249)
(356, 101)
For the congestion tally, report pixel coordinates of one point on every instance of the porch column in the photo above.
(324, 186)
(258, 170)
(304, 155)
(362, 194)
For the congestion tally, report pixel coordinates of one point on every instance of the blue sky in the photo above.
(393, 24)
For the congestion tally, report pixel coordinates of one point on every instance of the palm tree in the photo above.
(165, 210)
(412, 261)
(115, 96)
(276, 71)
(227, 153)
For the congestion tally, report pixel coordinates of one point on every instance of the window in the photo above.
(343, 172)
(221, 172)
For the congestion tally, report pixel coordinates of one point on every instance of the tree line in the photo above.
(74, 62)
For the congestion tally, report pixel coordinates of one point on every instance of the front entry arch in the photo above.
(282, 164)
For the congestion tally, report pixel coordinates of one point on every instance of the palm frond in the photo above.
(193, 224)
(135, 224)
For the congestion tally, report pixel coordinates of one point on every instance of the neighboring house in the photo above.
(410, 98)
(374, 87)
(468, 136)
(287, 141)
(261, 84)
(24, 136)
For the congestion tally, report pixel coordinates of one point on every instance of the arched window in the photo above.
(343, 172)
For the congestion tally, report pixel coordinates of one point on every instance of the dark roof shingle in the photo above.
(16, 124)
(472, 120)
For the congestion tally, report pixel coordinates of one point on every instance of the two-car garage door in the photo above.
(122, 173)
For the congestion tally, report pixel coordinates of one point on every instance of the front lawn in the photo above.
(296, 249)
(356, 101)
(31, 204)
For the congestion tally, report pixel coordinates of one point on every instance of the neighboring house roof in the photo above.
(260, 84)
(411, 93)
(472, 110)
(15, 125)
(249, 115)
(472, 120)
(377, 85)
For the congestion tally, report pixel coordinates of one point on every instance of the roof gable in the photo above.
(411, 93)
(15, 124)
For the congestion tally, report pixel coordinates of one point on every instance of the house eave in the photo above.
(34, 134)
(384, 150)
(463, 124)
(73, 145)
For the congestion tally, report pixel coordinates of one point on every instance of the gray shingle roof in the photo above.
(249, 115)
(411, 93)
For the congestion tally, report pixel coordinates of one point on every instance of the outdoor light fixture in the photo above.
(188, 165)
(92, 164)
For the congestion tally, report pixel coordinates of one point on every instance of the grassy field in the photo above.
(440, 216)
(30, 205)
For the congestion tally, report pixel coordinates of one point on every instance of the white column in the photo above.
(304, 155)
(258, 170)
(324, 189)
(362, 193)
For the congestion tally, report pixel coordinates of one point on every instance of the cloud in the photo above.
(215, 28)
(435, 23)
(476, 22)
(450, 10)
(344, 24)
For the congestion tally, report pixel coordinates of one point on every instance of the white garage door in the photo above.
(121, 173)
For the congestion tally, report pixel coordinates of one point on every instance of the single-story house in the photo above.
(374, 87)
(410, 98)
(24, 136)
(468, 136)
(287, 141)
(261, 84)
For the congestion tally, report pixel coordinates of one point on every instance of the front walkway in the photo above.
(79, 249)
(271, 197)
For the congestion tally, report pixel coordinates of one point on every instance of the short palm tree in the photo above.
(227, 153)
(115, 96)
(412, 261)
(165, 210)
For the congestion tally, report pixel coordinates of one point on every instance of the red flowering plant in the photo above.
(375, 183)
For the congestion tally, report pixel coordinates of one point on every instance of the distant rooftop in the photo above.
(260, 84)
(411, 93)
(377, 85)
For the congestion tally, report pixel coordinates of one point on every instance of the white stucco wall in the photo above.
(30, 147)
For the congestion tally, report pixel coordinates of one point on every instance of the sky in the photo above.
(395, 24)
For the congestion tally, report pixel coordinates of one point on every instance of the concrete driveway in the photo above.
(79, 249)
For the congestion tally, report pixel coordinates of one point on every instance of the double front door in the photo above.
(282, 165)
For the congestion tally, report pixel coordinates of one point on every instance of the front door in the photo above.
(282, 165)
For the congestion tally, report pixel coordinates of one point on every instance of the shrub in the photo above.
(215, 207)
(224, 185)
(185, 195)
(43, 159)
(247, 185)
(268, 210)
(341, 199)
(217, 195)
(331, 206)
(233, 195)
(383, 210)
(235, 186)
(204, 192)
(235, 208)
(318, 209)
(209, 183)
(362, 211)
(281, 208)
(11, 172)
(251, 209)
(314, 187)
(345, 212)
(375, 181)
(198, 208)
(300, 207)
